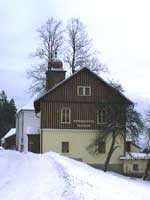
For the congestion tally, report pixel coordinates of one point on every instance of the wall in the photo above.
(135, 148)
(19, 129)
(10, 142)
(79, 140)
(82, 107)
(128, 167)
(27, 123)
(31, 125)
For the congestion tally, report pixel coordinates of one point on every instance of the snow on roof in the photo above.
(30, 104)
(136, 156)
(11, 132)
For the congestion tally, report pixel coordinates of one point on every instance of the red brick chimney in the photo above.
(54, 74)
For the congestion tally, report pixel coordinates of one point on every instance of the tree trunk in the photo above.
(146, 170)
(73, 61)
(111, 150)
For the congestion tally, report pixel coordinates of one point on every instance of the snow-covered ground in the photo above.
(28, 176)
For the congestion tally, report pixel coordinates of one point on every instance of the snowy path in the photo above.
(68, 193)
(91, 184)
(34, 177)
(54, 177)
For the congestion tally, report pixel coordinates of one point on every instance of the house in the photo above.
(134, 163)
(27, 125)
(70, 117)
(9, 140)
(132, 147)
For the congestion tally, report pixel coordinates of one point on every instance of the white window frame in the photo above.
(84, 88)
(98, 119)
(66, 109)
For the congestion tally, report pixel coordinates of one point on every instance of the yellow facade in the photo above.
(135, 148)
(128, 166)
(79, 140)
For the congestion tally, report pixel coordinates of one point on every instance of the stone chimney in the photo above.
(55, 73)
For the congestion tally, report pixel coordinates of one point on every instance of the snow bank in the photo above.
(54, 177)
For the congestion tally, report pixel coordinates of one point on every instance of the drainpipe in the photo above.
(41, 141)
(22, 135)
(41, 133)
(17, 132)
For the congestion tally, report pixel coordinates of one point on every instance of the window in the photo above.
(80, 91)
(110, 116)
(65, 147)
(84, 90)
(102, 147)
(135, 167)
(102, 116)
(65, 115)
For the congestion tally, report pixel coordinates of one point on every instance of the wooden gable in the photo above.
(83, 108)
(67, 91)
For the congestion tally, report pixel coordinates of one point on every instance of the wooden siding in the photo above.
(10, 142)
(68, 91)
(82, 107)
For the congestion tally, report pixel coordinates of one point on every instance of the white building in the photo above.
(27, 123)
(9, 140)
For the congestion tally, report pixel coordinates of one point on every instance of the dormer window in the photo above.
(84, 91)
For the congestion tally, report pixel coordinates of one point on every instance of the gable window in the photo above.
(135, 167)
(102, 116)
(65, 115)
(65, 147)
(84, 91)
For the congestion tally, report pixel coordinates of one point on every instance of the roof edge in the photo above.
(63, 81)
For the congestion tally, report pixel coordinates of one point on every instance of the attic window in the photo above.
(84, 90)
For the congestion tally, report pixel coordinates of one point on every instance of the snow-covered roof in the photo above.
(10, 133)
(30, 104)
(136, 156)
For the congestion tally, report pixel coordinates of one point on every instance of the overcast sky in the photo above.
(120, 30)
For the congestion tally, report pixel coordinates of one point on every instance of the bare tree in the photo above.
(51, 36)
(79, 52)
(37, 74)
(147, 149)
(116, 85)
(51, 42)
(122, 121)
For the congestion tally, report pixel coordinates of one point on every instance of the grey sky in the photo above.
(120, 30)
